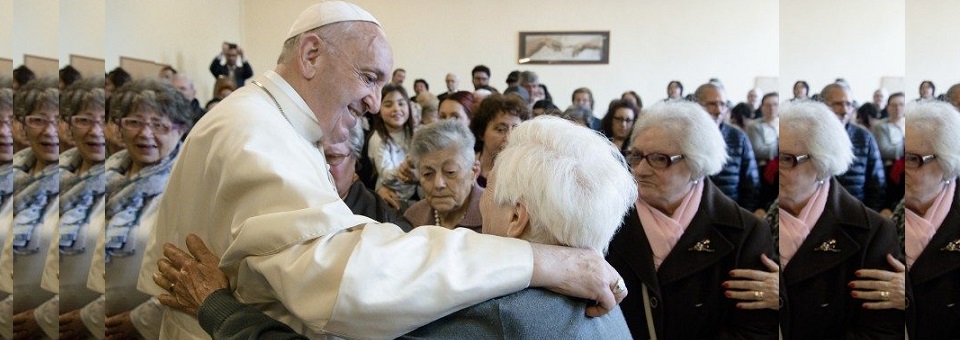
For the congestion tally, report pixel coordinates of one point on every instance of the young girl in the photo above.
(393, 131)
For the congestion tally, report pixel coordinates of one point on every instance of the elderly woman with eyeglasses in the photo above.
(442, 154)
(828, 238)
(152, 117)
(932, 216)
(81, 215)
(683, 238)
(36, 187)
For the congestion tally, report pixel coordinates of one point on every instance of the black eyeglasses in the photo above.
(788, 161)
(656, 160)
(915, 161)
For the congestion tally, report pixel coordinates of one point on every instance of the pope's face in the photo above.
(350, 79)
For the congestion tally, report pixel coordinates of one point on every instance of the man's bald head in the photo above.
(838, 98)
(184, 85)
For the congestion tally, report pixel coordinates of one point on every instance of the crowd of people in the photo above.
(372, 212)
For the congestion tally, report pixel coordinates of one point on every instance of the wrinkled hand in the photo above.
(536, 44)
(748, 282)
(886, 213)
(25, 326)
(873, 282)
(120, 327)
(590, 45)
(576, 272)
(389, 196)
(72, 327)
(406, 173)
(190, 278)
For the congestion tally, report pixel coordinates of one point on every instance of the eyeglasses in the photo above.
(37, 122)
(136, 124)
(656, 160)
(85, 122)
(915, 161)
(788, 161)
(619, 120)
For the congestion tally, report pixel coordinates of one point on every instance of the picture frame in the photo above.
(567, 47)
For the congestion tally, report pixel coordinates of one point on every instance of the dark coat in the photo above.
(362, 201)
(933, 292)
(739, 179)
(816, 301)
(686, 296)
(240, 74)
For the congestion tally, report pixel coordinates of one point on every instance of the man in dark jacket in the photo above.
(865, 179)
(230, 63)
(739, 179)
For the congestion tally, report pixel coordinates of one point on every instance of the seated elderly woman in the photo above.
(81, 209)
(35, 209)
(555, 184)
(684, 237)
(442, 153)
(491, 125)
(152, 117)
(932, 204)
(826, 235)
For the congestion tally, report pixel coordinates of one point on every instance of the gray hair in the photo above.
(701, 143)
(441, 135)
(573, 182)
(826, 139)
(578, 114)
(332, 35)
(84, 94)
(153, 94)
(34, 95)
(355, 140)
(527, 77)
(698, 94)
(6, 93)
(938, 123)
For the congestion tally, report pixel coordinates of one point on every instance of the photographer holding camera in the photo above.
(231, 64)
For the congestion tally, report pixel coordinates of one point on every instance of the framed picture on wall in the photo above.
(584, 47)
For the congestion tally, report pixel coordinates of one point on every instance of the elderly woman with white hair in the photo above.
(826, 236)
(683, 238)
(442, 154)
(932, 228)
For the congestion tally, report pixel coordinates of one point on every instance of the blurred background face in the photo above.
(926, 91)
(715, 102)
(660, 187)
(153, 140)
(399, 77)
(582, 99)
(879, 99)
(839, 102)
(232, 55)
(770, 108)
(446, 179)
(419, 87)
(480, 79)
(673, 91)
(41, 130)
(623, 122)
(799, 91)
(498, 131)
(752, 97)
(394, 110)
(796, 184)
(895, 108)
(452, 83)
(6, 136)
(86, 127)
(451, 109)
(923, 183)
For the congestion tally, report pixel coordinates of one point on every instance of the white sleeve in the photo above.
(377, 282)
(93, 317)
(146, 318)
(50, 280)
(47, 315)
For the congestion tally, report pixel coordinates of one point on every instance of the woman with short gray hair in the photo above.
(442, 153)
(827, 237)
(682, 239)
(932, 240)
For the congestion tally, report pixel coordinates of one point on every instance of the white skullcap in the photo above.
(328, 12)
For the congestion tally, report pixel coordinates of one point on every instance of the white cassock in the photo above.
(255, 186)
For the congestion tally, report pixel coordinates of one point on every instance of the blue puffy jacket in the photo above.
(739, 179)
(865, 179)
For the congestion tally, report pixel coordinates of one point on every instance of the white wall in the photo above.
(6, 31)
(860, 40)
(933, 44)
(652, 41)
(35, 29)
(82, 25)
(184, 33)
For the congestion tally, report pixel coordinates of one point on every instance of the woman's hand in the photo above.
(389, 196)
(880, 288)
(756, 288)
(406, 174)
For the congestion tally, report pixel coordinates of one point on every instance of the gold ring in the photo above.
(885, 296)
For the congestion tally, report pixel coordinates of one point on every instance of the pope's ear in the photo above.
(309, 55)
(519, 220)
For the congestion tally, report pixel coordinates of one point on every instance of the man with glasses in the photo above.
(739, 179)
(865, 179)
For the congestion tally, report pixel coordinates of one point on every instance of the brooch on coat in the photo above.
(829, 246)
(952, 246)
(702, 246)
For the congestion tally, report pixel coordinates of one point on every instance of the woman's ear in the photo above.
(519, 220)
(476, 169)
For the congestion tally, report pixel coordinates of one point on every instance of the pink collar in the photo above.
(664, 231)
(794, 229)
(920, 230)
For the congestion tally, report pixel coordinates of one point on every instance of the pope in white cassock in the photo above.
(251, 180)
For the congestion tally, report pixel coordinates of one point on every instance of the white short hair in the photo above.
(826, 139)
(939, 123)
(701, 143)
(574, 183)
